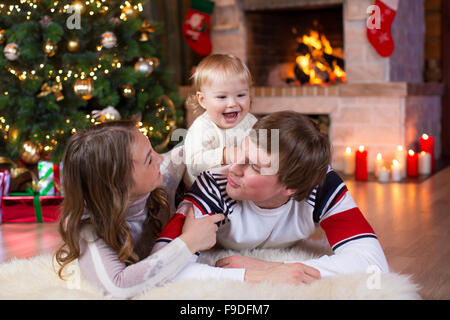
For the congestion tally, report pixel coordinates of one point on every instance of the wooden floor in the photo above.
(412, 221)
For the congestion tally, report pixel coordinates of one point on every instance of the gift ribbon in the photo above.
(36, 202)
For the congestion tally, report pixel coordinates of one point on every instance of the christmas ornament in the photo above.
(73, 45)
(56, 89)
(45, 21)
(379, 26)
(50, 48)
(154, 62)
(144, 66)
(196, 26)
(2, 36)
(29, 153)
(127, 12)
(109, 40)
(107, 114)
(128, 91)
(78, 6)
(13, 134)
(145, 30)
(11, 51)
(84, 88)
(165, 110)
(114, 21)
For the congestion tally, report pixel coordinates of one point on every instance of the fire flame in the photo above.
(320, 63)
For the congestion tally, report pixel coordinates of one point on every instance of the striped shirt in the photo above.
(248, 226)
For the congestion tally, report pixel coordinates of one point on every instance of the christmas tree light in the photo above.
(54, 74)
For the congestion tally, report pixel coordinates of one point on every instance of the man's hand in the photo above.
(257, 270)
(245, 262)
(288, 273)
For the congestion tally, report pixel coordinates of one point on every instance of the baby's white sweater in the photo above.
(205, 141)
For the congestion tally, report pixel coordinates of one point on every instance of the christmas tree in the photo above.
(66, 65)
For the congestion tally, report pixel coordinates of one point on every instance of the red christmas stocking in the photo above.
(196, 26)
(379, 26)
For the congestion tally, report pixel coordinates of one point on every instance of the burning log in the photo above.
(317, 62)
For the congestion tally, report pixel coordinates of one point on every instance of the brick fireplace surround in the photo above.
(384, 102)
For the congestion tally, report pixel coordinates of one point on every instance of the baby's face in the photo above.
(227, 101)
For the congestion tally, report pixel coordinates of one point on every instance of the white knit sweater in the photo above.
(205, 141)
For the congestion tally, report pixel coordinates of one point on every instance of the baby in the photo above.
(222, 83)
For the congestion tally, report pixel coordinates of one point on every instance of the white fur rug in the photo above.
(35, 278)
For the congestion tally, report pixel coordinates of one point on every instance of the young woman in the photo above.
(114, 209)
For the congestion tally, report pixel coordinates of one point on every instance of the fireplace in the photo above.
(382, 103)
(300, 46)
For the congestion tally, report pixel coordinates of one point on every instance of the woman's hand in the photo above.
(200, 234)
(288, 273)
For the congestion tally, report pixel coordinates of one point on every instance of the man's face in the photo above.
(247, 181)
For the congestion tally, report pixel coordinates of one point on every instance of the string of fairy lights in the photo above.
(65, 74)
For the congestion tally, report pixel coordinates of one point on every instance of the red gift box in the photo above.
(22, 209)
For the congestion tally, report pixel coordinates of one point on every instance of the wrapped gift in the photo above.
(5, 179)
(49, 178)
(30, 207)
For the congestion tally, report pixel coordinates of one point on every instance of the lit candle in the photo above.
(400, 156)
(396, 170)
(424, 162)
(378, 164)
(349, 161)
(426, 143)
(412, 160)
(361, 172)
(383, 174)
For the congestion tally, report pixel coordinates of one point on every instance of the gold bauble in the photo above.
(78, 6)
(84, 88)
(128, 91)
(129, 11)
(11, 51)
(73, 45)
(2, 36)
(29, 153)
(50, 48)
(165, 110)
(13, 133)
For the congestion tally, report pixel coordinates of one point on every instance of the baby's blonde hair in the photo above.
(212, 68)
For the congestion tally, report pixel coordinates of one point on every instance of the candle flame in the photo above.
(395, 163)
(422, 153)
(379, 156)
(361, 148)
(399, 148)
(348, 150)
(425, 136)
(411, 152)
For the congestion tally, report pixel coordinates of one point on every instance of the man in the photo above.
(282, 191)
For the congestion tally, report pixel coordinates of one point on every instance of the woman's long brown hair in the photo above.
(97, 179)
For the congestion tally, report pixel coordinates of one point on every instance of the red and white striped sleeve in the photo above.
(351, 237)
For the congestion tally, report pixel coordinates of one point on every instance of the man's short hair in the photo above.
(304, 152)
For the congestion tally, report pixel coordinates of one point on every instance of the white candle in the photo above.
(379, 162)
(400, 155)
(383, 174)
(396, 170)
(424, 163)
(349, 161)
